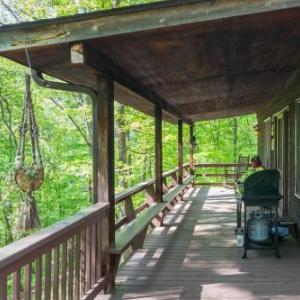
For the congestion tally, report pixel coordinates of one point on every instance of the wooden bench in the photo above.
(135, 231)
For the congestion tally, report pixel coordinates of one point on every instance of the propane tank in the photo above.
(258, 226)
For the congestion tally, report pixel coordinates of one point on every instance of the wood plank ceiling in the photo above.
(206, 70)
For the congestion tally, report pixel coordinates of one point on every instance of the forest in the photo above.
(64, 121)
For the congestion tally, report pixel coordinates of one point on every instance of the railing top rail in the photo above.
(171, 172)
(215, 165)
(26, 249)
(141, 186)
(132, 190)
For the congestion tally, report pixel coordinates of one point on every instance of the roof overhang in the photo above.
(196, 59)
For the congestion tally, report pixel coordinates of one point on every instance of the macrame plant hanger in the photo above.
(29, 177)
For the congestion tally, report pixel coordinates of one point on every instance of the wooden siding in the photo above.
(286, 98)
(194, 256)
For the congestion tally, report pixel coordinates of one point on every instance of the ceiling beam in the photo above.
(226, 112)
(129, 20)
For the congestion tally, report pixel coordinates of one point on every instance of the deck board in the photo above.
(195, 257)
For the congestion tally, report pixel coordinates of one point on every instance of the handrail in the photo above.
(131, 191)
(215, 165)
(70, 258)
(148, 187)
(216, 170)
(57, 256)
(23, 251)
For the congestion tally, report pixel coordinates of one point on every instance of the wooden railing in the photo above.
(64, 261)
(69, 260)
(214, 173)
(126, 198)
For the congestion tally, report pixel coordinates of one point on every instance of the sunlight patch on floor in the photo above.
(220, 290)
(195, 257)
(164, 231)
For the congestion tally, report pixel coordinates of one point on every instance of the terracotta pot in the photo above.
(27, 182)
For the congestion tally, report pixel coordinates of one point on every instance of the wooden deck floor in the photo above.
(195, 257)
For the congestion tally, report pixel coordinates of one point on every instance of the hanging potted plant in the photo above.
(29, 177)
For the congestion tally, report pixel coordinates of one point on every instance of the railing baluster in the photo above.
(77, 268)
(185, 172)
(105, 244)
(174, 179)
(150, 195)
(3, 288)
(64, 271)
(99, 252)
(129, 209)
(82, 262)
(16, 285)
(48, 276)
(56, 273)
(130, 215)
(27, 289)
(70, 268)
(88, 258)
(165, 185)
(93, 254)
(38, 278)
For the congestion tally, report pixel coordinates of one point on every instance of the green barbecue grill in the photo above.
(260, 189)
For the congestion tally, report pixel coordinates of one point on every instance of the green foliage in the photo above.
(41, 9)
(65, 134)
(215, 139)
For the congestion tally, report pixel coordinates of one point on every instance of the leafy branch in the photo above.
(81, 132)
(5, 109)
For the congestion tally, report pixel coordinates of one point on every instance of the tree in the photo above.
(65, 132)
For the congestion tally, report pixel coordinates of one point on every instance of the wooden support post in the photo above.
(180, 153)
(158, 155)
(192, 150)
(103, 113)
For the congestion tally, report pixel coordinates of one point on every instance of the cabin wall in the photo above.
(286, 98)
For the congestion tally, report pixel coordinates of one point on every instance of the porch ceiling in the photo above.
(198, 59)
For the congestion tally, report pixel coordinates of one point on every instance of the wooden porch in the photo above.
(234, 55)
(194, 256)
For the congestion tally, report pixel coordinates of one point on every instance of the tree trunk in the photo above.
(8, 229)
(234, 138)
(129, 158)
(144, 172)
(121, 144)
(114, 3)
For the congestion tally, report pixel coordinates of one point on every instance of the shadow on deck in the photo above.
(195, 257)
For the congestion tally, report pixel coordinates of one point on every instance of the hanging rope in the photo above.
(28, 177)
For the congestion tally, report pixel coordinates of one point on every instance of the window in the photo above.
(279, 142)
(297, 149)
(267, 132)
